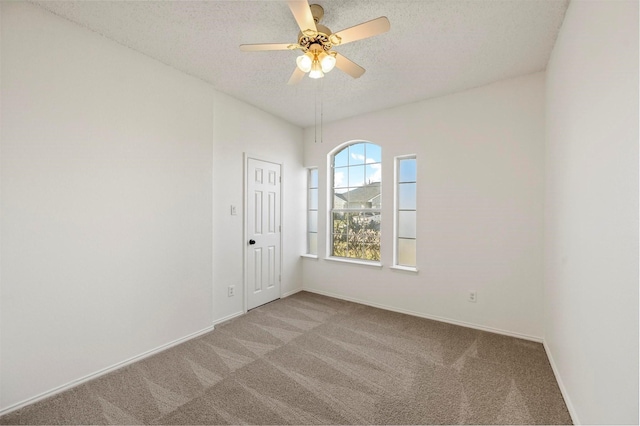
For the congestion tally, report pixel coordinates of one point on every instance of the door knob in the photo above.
(252, 242)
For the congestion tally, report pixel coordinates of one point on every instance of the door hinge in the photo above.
(280, 179)
(279, 228)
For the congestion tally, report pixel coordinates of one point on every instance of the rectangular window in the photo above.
(312, 211)
(406, 209)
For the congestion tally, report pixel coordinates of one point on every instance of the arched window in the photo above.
(356, 200)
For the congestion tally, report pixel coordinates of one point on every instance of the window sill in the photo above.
(404, 268)
(309, 256)
(354, 261)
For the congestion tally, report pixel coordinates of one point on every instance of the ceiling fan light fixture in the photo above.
(304, 62)
(316, 42)
(328, 62)
(316, 70)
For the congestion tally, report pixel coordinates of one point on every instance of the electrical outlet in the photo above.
(472, 297)
(231, 291)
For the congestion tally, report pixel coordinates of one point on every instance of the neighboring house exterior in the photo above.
(364, 197)
(340, 201)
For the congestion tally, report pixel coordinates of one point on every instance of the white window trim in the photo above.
(404, 268)
(330, 209)
(317, 188)
(354, 261)
(396, 181)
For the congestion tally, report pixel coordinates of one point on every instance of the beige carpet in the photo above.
(310, 359)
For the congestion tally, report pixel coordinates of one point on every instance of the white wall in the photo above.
(117, 174)
(591, 250)
(239, 129)
(106, 203)
(480, 207)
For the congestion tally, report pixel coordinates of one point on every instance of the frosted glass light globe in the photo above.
(304, 62)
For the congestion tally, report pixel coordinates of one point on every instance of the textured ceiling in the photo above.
(434, 47)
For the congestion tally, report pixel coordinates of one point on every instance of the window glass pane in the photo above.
(371, 220)
(356, 154)
(369, 236)
(313, 199)
(407, 196)
(339, 223)
(406, 252)
(312, 211)
(362, 238)
(341, 159)
(341, 177)
(407, 170)
(356, 176)
(406, 215)
(313, 243)
(364, 197)
(376, 202)
(407, 224)
(340, 199)
(313, 221)
(372, 251)
(374, 173)
(356, 234)
(364, 220)
(355, 248)
(340, 245)
(374, 153)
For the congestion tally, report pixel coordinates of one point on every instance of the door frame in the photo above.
(245, 230)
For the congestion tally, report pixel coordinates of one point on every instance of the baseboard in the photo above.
(237, 314)
(431, 317)
(102, 372)
(228, 318)
(291, 293)
(563, 389)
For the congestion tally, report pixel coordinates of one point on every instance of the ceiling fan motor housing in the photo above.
(322, 37)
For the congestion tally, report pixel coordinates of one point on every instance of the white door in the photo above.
(263, 232)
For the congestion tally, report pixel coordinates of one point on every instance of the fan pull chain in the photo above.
(319, 117)
(321, 109)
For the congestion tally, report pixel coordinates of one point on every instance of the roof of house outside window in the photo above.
(366, 196)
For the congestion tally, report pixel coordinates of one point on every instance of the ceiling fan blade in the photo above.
(264, 46)
(302, 13)
(296, 76)
(348, 66)
(368, 29)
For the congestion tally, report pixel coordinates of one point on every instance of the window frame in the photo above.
(397, 210)
(347, 210)
(309, 209)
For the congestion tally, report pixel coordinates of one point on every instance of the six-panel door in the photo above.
(263, 232)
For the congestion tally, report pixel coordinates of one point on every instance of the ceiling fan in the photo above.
(317, 42)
